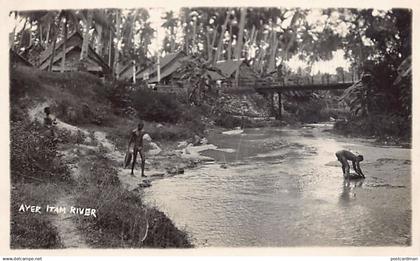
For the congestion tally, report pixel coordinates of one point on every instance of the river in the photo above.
(284, 187)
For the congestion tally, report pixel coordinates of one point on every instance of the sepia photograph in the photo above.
(206, 127)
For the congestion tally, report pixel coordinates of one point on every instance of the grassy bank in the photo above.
(40, 176)
(122, 218)
(386, 129)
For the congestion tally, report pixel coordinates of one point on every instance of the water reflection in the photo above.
(348, 192)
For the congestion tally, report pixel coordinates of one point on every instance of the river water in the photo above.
(284, 187)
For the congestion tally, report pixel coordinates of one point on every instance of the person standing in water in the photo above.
(135, 145)
(344, 156)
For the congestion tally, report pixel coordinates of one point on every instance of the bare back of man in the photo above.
(344, 156)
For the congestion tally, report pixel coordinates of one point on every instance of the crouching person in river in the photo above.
(135, 146)
(344, 156)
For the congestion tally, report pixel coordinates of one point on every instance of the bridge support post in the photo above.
(272, 107)
(279, 113)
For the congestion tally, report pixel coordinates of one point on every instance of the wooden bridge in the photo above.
(271, 88)
(276, 88)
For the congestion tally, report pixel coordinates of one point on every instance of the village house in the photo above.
(126, 70)
(228, 69)
(94, 63)
(169, 64)
(129, 71)
(225, 71)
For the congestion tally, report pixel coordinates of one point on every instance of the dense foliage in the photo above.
(34, 153)
(381, 101)
(154, 106)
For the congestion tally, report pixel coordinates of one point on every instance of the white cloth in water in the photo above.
(147, 137)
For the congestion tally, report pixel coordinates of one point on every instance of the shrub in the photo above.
(118, 93)
(228, 121)
(307, 111)
(122, 219)
(154, 106)
(336, 113)
(34, 153)
(192, 119)
(73, 110)
(170, 132)
(377, 125)
(162, 232)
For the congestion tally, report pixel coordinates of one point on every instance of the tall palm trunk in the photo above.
(229, 48)
(240, 39)
(249, 42)
(261, 55)
(100, 44)
(222, 34)
(172, 39)
(210, 50)
(194, 47)
(31, 36)
(186, 33)
(41, 35)
(117, 52)
(86, 40)
(274, 45)
(289, 44)
(22, 33)
(110, 49)
(208, 41)
(52, 54)
(131, 38)
(252, 36)
(134, 71)
(63, 58)
(48, 35)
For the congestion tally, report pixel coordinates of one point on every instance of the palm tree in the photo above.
(63, 59)
(290, 34)
(87, 19)
(238, 49)
(171, 22)
(73, 18)
(100, 20)
(229, 48)
(117, 52)
(210, 44)
(222, 34)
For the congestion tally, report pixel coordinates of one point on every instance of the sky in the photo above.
(338, 60)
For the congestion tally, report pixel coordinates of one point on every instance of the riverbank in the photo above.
(80, 168)
(96, 182)
(388, 130)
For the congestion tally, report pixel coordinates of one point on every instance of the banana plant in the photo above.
(356, 98)
(194, 72)
(403, 82)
